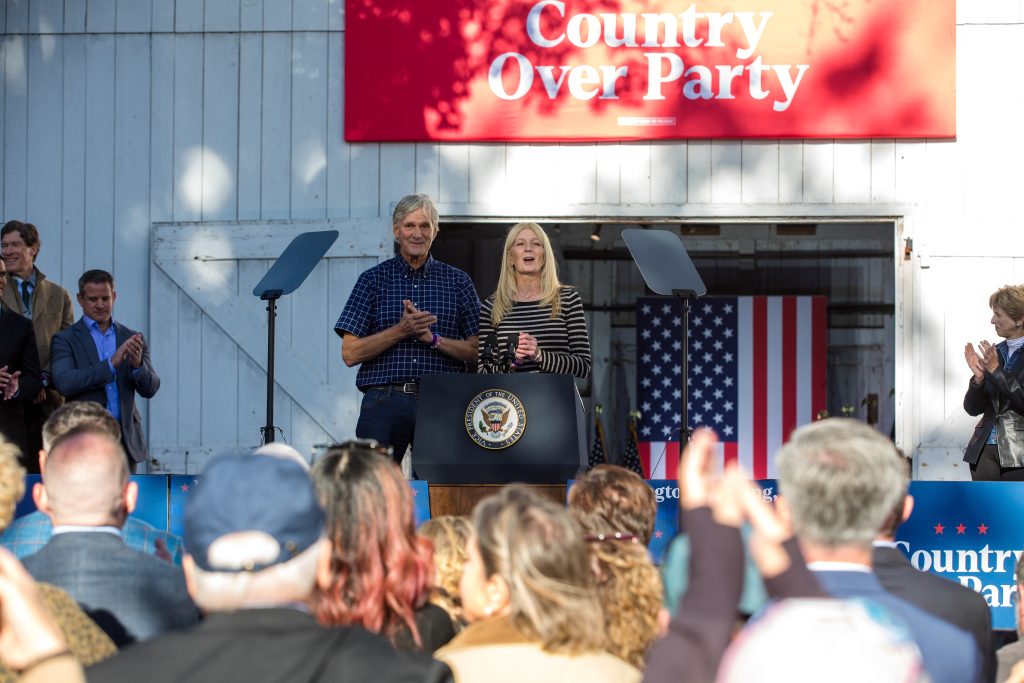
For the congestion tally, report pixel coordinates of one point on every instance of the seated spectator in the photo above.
(528, 593)
(27, 535)
(616, 509)
(256, 554)
(87, 494)
(86, 641)
(449, 534)
(382, 572)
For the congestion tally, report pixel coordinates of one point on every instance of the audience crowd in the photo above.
(292, 572)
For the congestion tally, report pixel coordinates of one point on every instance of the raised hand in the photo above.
(11, 388)
(130, 350)
(989, 356)
(27, 631)
(696, 481)
(974, 362)
(8, 382)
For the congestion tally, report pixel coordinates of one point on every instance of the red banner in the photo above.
(548, 70)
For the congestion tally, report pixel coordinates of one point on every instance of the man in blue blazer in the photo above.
(98, 359)
(838, 481)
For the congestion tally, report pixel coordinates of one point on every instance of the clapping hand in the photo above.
(131, 351)
(974, 362)
(989, 356)
(9, 382)
(416, 323)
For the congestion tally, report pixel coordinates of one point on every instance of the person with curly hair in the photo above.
(382, 572)
(616, 509)
(450, 536)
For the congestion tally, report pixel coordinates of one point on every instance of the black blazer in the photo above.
(18, 352)
(941, 597)
(1001, 391)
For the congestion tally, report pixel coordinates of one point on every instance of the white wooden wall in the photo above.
(136, 130)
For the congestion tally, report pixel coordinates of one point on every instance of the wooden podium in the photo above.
(475, 433)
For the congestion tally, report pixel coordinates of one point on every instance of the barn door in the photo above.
(208, 338)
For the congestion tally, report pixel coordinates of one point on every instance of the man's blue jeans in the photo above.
(388, 415)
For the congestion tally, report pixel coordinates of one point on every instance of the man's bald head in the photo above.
(86, 479)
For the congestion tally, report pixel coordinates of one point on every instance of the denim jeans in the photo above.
(388, 416)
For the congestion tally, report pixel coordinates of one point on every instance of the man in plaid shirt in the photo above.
(406, 317)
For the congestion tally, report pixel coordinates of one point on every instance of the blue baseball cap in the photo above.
(245, 492)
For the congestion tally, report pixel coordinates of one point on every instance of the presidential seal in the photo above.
(495, 419)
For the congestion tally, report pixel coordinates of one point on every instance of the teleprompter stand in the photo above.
(290, 270)
(668, 270)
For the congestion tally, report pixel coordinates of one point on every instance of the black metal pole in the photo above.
(685, 431)
(268, 431)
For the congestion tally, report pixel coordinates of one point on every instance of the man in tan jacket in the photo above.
(47, 305)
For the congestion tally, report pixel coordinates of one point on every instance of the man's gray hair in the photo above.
(225, 591)
(415, 202)
(841, 478)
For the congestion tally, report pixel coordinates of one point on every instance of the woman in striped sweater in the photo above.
(533, 311)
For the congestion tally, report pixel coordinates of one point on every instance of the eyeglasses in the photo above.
(363, 444)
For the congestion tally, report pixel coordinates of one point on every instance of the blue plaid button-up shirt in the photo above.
(376, 304)
(27, 535)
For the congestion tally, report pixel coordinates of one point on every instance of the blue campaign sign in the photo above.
(968, 532)
(183, 485)
(420, 500)
(26, 504)
(666, 521)
(152, 504)
(151, 507)
(180, 487)
(971, 533)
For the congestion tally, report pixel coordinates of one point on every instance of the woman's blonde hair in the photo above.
(450, 535)
(505, 294)
(12, 481)
(631, 591)
(538, 550)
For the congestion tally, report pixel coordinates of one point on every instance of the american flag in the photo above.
(597, 450)
(631, 461)
(756, 372)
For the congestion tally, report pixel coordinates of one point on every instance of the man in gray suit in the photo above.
(133, 596)
(98, 359)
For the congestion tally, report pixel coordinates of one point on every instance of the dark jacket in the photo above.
(18, 352)
(265, 645)
(999, 400)
(945, 599)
